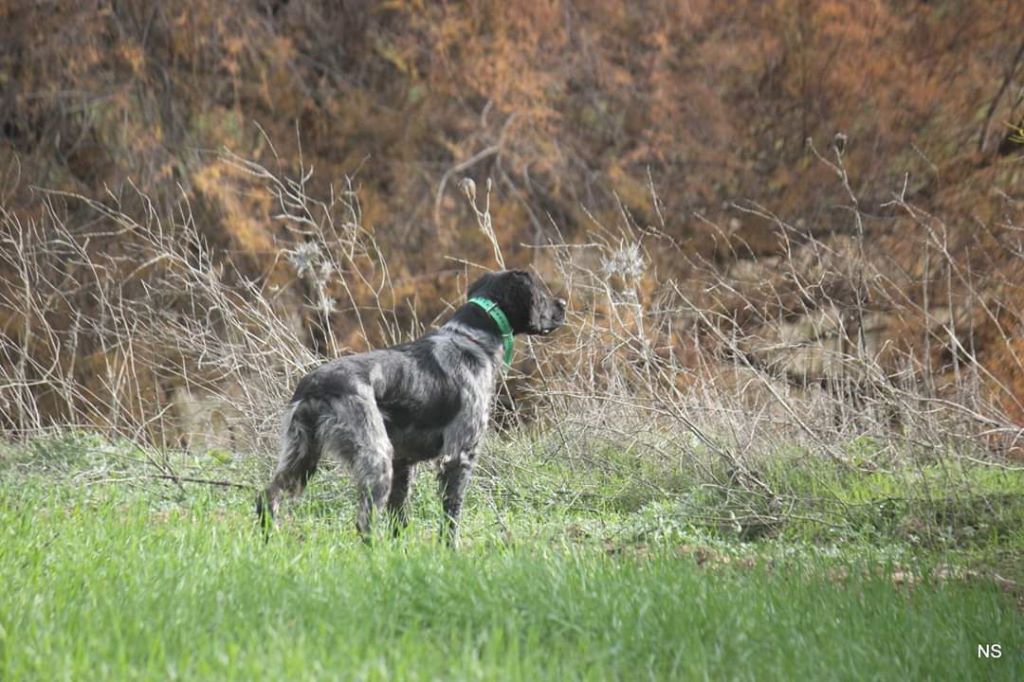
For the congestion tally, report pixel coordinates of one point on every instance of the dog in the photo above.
(384, 411)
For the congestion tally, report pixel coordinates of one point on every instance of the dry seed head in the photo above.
(468, 187)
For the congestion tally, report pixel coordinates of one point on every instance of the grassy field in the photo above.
(108, 574)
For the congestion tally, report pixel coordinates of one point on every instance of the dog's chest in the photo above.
(415, 440)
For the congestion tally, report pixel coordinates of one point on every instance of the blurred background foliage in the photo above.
(586, 116)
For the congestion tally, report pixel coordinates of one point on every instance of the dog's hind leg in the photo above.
(300, 454)
(373, 479)
(357, 435)
(398, 507)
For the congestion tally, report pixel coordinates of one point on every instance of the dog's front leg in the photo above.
(452, 480)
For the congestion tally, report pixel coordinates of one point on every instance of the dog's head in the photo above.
(524, 299)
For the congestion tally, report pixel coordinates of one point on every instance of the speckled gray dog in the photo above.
(384, 411)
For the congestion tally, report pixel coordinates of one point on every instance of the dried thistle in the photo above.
(468, 188)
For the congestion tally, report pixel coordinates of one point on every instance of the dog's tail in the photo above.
(300, 454)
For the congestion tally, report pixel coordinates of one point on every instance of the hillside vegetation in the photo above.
(703, 137)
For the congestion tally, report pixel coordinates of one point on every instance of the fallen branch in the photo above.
(205, 481)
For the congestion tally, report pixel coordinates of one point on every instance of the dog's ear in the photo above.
(530, 300)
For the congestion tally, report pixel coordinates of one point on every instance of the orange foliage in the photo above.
(581, 105)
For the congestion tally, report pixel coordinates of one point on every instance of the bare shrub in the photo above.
(831, 351)
(135, 325)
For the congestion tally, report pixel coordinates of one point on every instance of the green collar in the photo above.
(496, 313)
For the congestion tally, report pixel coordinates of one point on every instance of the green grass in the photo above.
(109, 576)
